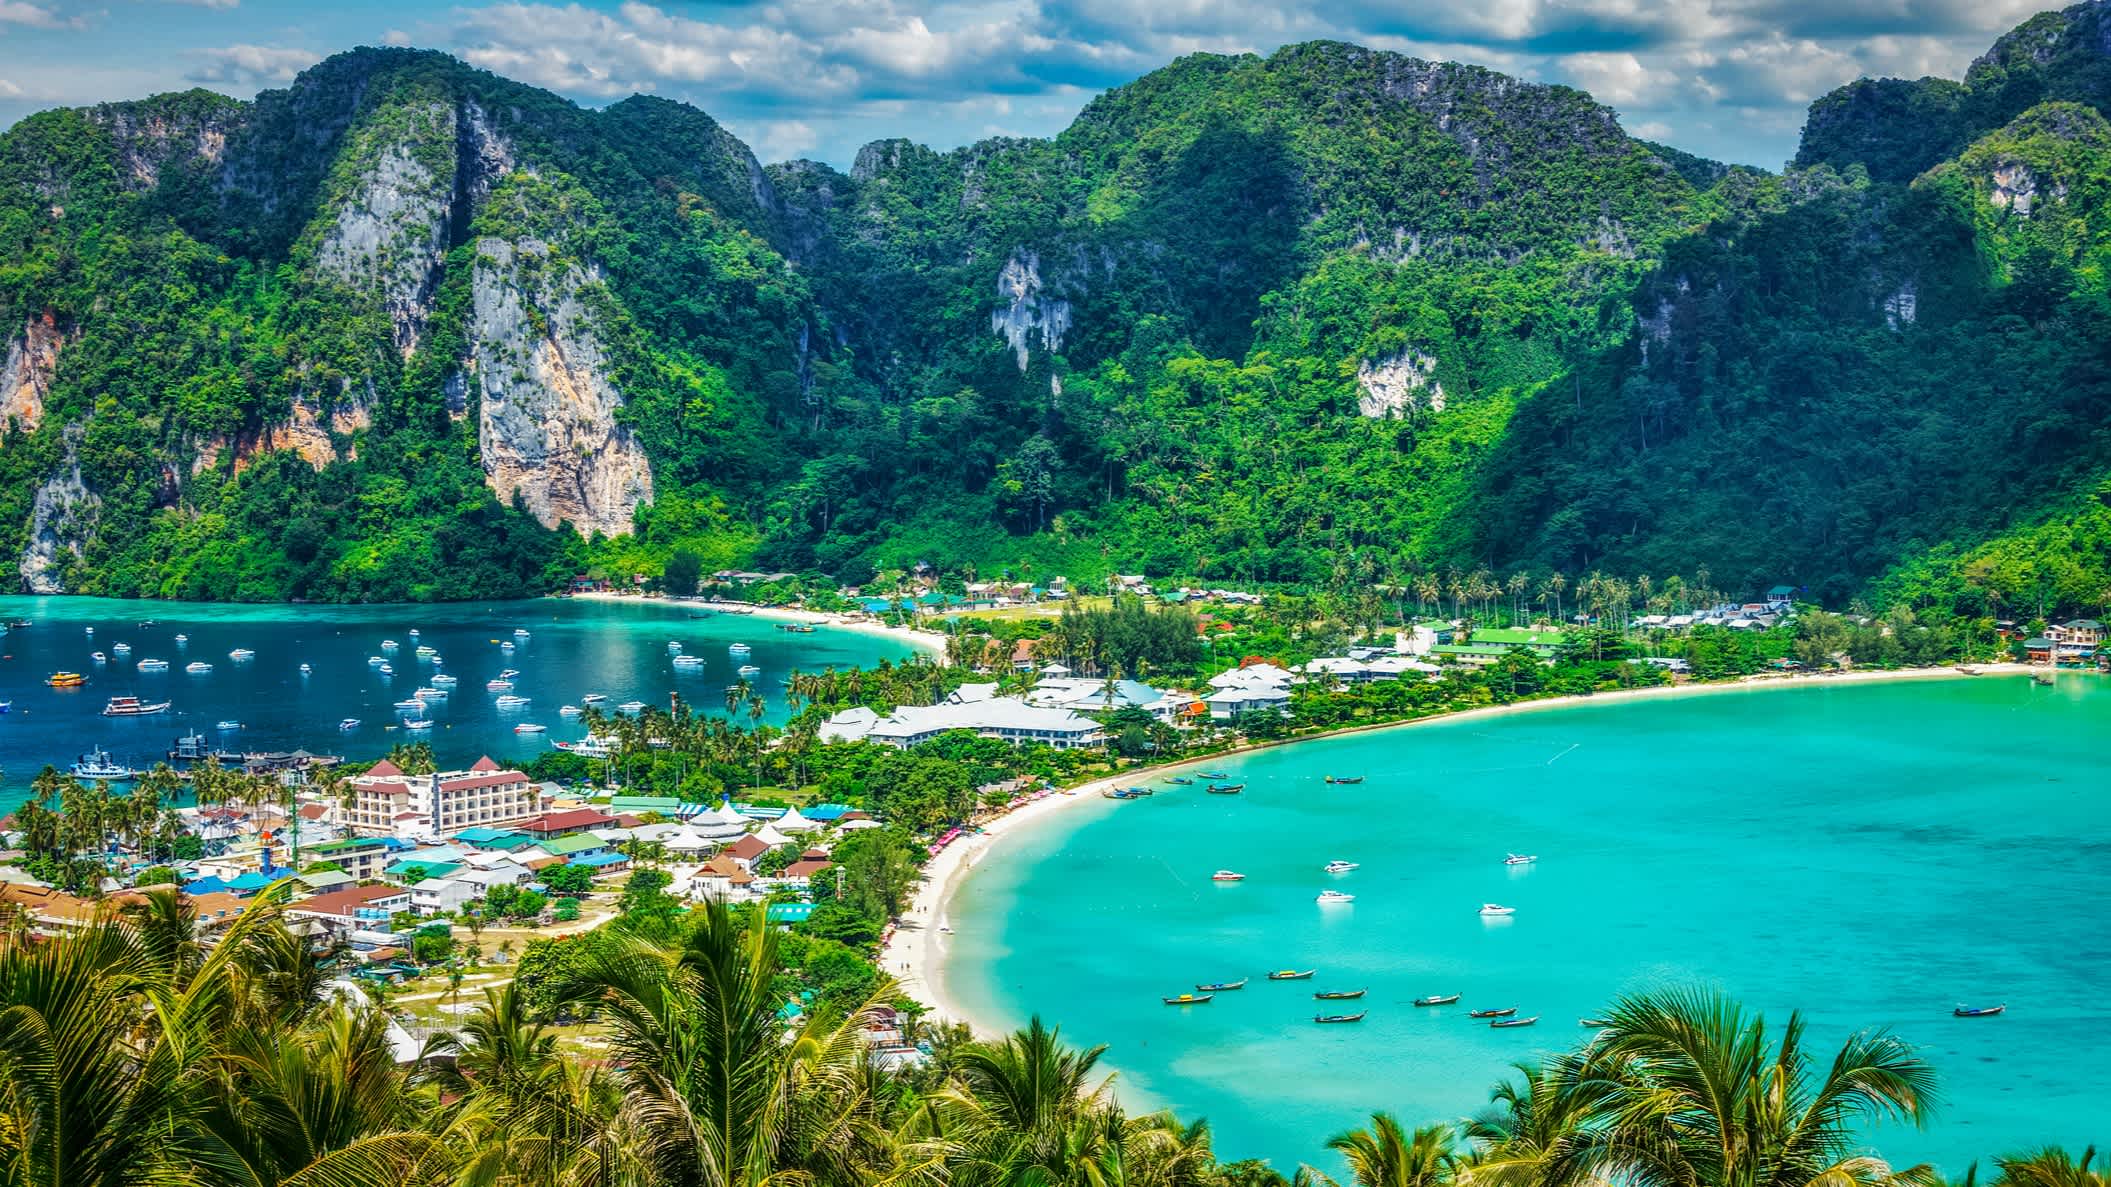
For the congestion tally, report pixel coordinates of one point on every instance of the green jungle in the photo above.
(409, 330)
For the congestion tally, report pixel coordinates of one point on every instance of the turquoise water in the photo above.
(575, 647)
(1869, 854)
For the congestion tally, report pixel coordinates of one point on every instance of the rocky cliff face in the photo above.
(62, 518)
(1398, 385)
(547, 402)
(1024, 316)
(25, 376)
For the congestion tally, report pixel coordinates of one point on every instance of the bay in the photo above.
(1870, 854)
(575, 646)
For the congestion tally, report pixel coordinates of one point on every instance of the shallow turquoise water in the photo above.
(1870, 854)
(575, 647)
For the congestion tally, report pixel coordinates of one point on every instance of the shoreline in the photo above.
(928, 642)
(915, 950)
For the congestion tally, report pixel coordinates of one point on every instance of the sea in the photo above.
(1869, 854)
(572, 647)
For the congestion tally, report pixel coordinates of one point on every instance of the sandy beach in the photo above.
(915, 953)
(931, 643)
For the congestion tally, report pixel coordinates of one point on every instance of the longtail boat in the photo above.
(1503, 1023)
(1978, 1011)
(1188, 999)
(1326, 1018)
(1340, 995)
(1344, 779)
(1292, 975)
(1222, 986)
(1441, 999)
(1504, 1013)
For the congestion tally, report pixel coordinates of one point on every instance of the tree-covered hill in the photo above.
(408, 329)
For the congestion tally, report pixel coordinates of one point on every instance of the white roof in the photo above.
(494, 875)
(1256, 675)
(1243, 696)
(854, 825)
(1054, 669)
(690, 841)
(968, 694)
(768, 835)
(848, 726)
(997, 713)
(792, 822)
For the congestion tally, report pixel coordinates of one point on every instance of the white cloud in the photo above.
(8, 89)
(223, 5)
(396, 37)
(249, 65)
(35, 16)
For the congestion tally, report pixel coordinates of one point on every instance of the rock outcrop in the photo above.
(546, 402)
(389, 233)
(25, 375)
(1398, 385)
(62, 518)
(1024, 316)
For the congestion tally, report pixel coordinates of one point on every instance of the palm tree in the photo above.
(1387, 1156)
(1531, 1122)
(1697, 1093)
(2051, 1167)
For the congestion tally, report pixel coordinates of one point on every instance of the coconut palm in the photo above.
(1693, 1091)
(1385, 1155)
(1531, 1122)
(2052, 1167)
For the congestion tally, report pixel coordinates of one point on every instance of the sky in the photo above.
(1728, 79)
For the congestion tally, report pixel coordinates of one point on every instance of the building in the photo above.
(362, 858)
(1082, 694)
(1005, 718)
(387, 802)
(574, 846)
(2082, 632)
(568, 823)
(435, 895)
(1230, 704)
(355, 908)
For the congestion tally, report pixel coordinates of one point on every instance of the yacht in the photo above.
(228, 725)
(508, 673)
(506, 646)
(375, 661)
(197, 667)
(1227, 876)
(348, 724)
(443, 680)
(527, 727)
(1334, 896)
(498, 685)
(520, 632)
(425, 652)
(132, 707)
(153, 665)
(390, 645)
(306, 670)
(593, 698)
(674, 648)
(569, 711)
(430, 694)
(739, 649)
(98, 657)
(120, 649)
(414, 632)
(182, 639)
(632, 707)
(1520, 859)
(749, 670)
(688, 661)
(411, 705)
(1340, 867)
(91, 630)
(97, 764)
(241, 653)
(1493, 911)
(511, 702)
(386, 669)
(587, 747)
(418, 723)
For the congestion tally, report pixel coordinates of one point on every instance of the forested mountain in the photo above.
(407, 329)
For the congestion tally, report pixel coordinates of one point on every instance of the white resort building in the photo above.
(1008, 718)
(387, 802)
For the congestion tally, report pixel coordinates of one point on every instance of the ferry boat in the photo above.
(153, 665)
(1339, 995)
(739, 648)
(1225, 788)
(1520, 859)
(1188, 999)
(1227, 876)
(97, 764)
(498, 685)
(1502, 1013)
(1340, 867)
(569, 711)
(1222, 986)
(1291, 975)
(241, 653)
(132, 707)
(66, 680)
(443, 680)
(510, 702)
(527, 727)
(1344, 779)
(688, 661)
(349, 723)
(1438, 999)
(1334, 896)
(197, 667)
(1506, 1023)
(593, 698)
(1325, 1019)
(1977, 1011)
(1493, 911)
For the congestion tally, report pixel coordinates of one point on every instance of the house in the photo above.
(573, 846)
(435, 895)
(322, 880)
(1023, 656)
(361, 857)
(745, 850)
(1005, 718)
(1081, 694)
(2081, 632)
(722, 879)
(606, 862)
(386, 801)
(565, 824)
(801, 872)
(1254, 675)
(353, 908)
(850, 725)
(1541, 643)
(1230, 704)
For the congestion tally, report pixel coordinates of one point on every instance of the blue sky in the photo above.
(817, 78)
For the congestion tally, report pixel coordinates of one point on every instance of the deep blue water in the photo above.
(1871, 855)
(575, 647)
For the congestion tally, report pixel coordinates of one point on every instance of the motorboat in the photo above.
(390, 645)
(307, 670)
(1226, 875)
(153, 665)
(506, 645)
(1225, 788)
(1978, 1011)
(65, 680)
(1344, 779)
(498, 685)
(1520, 859)
(1492, 911)
(430, 694)
(7, 706)
(418, 723)
(414, 632)
(673, 648)
(510, 702)
(631, 707)
(98, 657)
(1291, 975)
(520, 632)
(593, 698)
(97, 764)
(688, 661)
(228, 725)
(749, 670)
(443, 680)
(411, 705)
(1507, 1023)
(1339, 995)
(1222, 986)
(349, 723)
(90, 630)
(1325, 1019)
(375, 661)
(527, 727)
(1189, 999)
(1334, 896)
(1438, 999)
(1505, 1012)
(508, 673)
(197, 667)
(569, 711)
(739, 649)
(120, 649)
(1341, 867)
(425, 652)
(387, 669)
(181, 639)
(133, 707)
(241, 653)
(587, 747)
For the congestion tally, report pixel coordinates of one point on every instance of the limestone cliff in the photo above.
(546, 399)
(25, 375)
(62, 518)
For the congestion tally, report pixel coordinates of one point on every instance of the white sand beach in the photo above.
(931, 643)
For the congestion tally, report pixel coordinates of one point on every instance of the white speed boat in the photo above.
(1495, 911)
(1340, 867)
(1334, 896)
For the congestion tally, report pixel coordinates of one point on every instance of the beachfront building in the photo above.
(1083, 694)
(1007, 718)
(387, 802)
